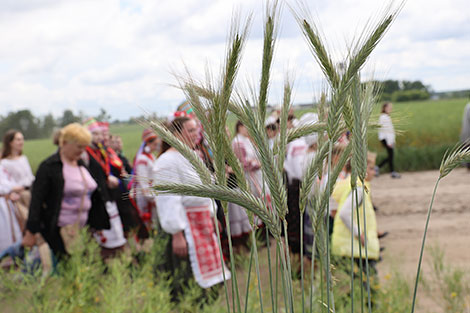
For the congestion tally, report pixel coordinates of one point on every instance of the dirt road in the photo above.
(402, 208)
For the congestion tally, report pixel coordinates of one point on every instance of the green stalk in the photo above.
(221, 257)
(248, 280)
(365, 246)
(288, 270)
(283, 276)
(277, 276)
(328, 269)
(422, 245)
(270, 270)
(253, 240)
(312, 275)
(360, 249)
(302, 260)
(232, 267)
(352, 256)
(322, 297)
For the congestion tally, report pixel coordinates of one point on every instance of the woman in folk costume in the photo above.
(10, 232)
(296, 152)
(128, 213)
(111, 241)
(272, 130)
(144, 167)
(345, 222)
(187, 220)
(244, 149)
(16, 164)
(116, 145)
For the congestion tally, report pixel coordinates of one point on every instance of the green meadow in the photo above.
(425, 130)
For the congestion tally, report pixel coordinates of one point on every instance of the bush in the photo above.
(410, 95)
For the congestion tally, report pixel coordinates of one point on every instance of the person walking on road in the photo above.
(387, 138)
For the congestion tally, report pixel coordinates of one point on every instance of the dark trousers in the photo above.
(389, 158)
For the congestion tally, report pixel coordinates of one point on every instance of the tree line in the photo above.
(404, 90)
(34, 127)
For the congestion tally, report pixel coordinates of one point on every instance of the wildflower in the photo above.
(97, 299)
(453, 295)
(387, 277)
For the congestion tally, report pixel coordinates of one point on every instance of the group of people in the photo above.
(343, 213)
(88, 181)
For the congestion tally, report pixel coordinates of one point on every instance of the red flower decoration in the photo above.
(146, 217)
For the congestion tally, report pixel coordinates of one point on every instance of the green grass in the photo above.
(426, 129)
(85, 284)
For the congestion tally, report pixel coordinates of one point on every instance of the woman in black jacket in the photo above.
(65, 192)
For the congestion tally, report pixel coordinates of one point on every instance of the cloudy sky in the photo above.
(120, 55)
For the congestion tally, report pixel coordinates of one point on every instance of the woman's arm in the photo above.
(171, 213)
(346, 211)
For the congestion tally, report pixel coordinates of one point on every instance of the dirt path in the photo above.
(403, 205)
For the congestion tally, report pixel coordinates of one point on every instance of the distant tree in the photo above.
(68, 117)
(413, 85)
(22, 120)
(390, 86)
(103, 116)
(395, 90)
(47, 125)
(410, 95)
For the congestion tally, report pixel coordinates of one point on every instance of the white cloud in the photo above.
(118, 55)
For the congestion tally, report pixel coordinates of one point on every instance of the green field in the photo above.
(426, 129)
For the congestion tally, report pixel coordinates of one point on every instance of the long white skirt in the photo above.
(239, 222)
(114, 237)
(10, 232)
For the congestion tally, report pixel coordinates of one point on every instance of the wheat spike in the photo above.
(453, 158)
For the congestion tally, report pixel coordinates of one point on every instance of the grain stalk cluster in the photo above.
(345, 107)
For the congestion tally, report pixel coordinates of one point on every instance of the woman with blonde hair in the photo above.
(65, 196)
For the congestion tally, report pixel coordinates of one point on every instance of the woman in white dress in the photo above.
(187, 220)
(10, 232)
(16, 164)
(144, 167)
(240, 225)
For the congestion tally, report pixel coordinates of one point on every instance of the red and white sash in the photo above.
(204, 253)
